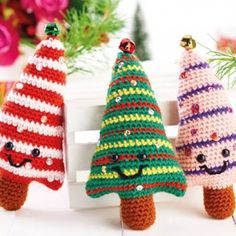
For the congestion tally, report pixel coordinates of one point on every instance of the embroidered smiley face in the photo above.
(9, 146)
(201, 158)
(122, 175)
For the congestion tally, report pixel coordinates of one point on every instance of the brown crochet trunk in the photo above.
(219, 203)
(138, 213)
(12, 194)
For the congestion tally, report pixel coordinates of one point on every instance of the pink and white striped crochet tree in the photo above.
(206, 143)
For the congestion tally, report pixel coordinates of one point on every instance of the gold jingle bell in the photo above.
(188, 42)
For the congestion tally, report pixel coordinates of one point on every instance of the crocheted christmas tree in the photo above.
(206, 143)
(31, 125)
(133, 157)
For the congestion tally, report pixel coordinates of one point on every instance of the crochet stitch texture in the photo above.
(31, 125)
(206, 142)
(207, 133)
(133, 157)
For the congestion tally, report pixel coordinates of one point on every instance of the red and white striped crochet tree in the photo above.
(31, 124)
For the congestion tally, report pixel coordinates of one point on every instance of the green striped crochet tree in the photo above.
(133, 156)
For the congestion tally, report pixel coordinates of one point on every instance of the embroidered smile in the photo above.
(215, 170)
(18, 165)
(124, 176)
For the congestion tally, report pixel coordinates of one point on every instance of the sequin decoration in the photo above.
(19, 86)
(104, 169)
(118, 99)
(151, 112)
(49, 161)
(133, 82)
(39, 66)
(44, 119)
(139, 187)
(183, 75)
(20, 128)
(127, 132)
(28, 166)
(194, 132)
(121, 64)
(50, 179)
(195, 108)
(187, 151)
(214, 136)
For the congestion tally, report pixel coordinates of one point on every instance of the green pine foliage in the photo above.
(85, 29)
(139, 35)
(225, 65)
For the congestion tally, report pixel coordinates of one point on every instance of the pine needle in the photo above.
(86, 28)
(225, 64)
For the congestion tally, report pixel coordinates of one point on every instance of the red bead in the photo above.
(188, 151)
(214, 136)
(183, 75)
(195, 108)
(127, 45)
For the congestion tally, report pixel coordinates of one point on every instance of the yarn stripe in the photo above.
(134, 143)
(199, 90)
(58, 76)
(127, 118)
(30, 125)
(134, 130)
(39, 163)
(206, 114)
(107, 159)
(51, 43)
(26, 136)
(129, 79)
(130, 68)
(45, 84)
(146, 171)
(31, 173)
(130, 91)
(206, 143)
(48, 63)
(34, 104)
(201, 65)
(51, 53)
(128, 105)
(36, 116)
(199, 172)
(176, 185)
(26, 148)
(40, 94)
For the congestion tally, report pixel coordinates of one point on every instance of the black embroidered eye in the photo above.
(35, 152)
(225, 152)
(114, 157)
(9, 146)
(201, 158)
(142, 156)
